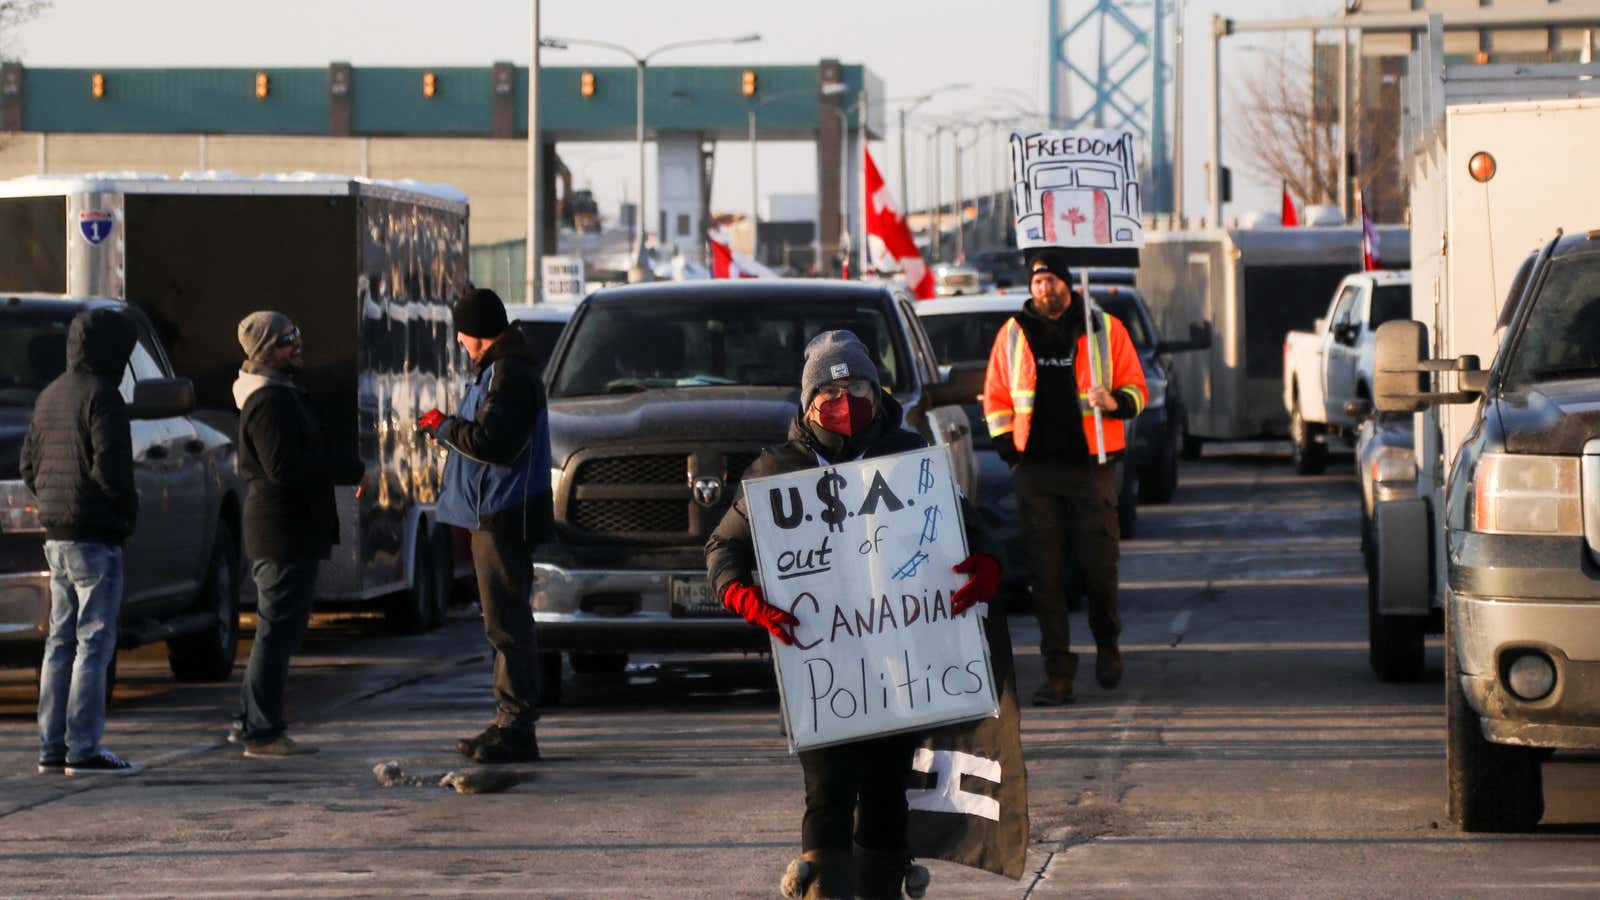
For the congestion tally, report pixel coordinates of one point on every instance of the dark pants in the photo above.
(1069, 514)
(860, 784)
(504, 565)
(285, 591)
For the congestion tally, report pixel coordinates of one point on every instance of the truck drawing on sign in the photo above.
(1076, 189)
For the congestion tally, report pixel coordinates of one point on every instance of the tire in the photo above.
(209, 655)
(550, 678)
(1310, 456)
(410, 611)
(1128, 506)
(598, 663)
(1158, 483)
(1191, 448)
(1491, 787)
(1397, 565)
(1394, 643)
(443, 577)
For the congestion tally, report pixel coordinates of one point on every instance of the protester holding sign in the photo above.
(853, 834)
(1046, 380)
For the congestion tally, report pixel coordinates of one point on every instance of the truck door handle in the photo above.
(156, 452)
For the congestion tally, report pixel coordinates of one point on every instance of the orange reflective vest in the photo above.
(1008, 387)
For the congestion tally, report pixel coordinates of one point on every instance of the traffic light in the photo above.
(97, 85)
(429, 85)
(262, 86)
(747, 83)
(586, 84)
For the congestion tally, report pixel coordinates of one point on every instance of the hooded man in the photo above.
(496, 485)
(77, 459)
(853, 834)
(291, 522)
(1046, 378)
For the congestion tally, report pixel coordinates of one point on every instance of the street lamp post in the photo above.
(755, 194)
(641, 268)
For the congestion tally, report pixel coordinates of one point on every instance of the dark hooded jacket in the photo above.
(78, 455)
(730, 552)
(285, 455)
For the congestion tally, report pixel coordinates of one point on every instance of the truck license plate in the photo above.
(691, 596)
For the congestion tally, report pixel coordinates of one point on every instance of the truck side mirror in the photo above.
(963, 384)
(1400, 383)
(1200, 335)
(161, 398)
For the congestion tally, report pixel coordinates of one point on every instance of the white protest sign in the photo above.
(562, 278)
(1076, 189)
(861, 554)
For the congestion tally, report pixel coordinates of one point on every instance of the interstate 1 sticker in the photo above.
(96, 224)
(861, 553)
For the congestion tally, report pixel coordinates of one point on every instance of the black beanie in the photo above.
(479, 313)
(1050, 259)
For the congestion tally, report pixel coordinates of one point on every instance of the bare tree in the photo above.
(14, 13)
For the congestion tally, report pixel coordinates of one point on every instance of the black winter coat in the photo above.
(730, 552)
(78, 455)
(285, 456)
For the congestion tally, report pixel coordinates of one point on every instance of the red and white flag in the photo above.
(1289, 216)
(889, 242)
(727, 264)
(1371, 261)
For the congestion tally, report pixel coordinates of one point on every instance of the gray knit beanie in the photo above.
(260, 330)
(830, 356)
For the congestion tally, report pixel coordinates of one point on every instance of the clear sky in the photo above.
(913, 45)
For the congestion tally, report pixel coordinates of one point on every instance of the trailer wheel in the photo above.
(209, 655)
(1491, 787)
(1310, 455)
(410, 611)
(1159, 482)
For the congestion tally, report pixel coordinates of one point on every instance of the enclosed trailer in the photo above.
(365, 269)
(1254, 285)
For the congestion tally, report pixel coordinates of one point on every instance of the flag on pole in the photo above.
(1290, 217)
(725, 263)
(1370, 260)
(889, 242)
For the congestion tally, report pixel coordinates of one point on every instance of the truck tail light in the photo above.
(1392, 464)
(19, 512)
(1516, 494)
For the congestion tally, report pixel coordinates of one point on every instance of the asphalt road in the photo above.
(1249, 752)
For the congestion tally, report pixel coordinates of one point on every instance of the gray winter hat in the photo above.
(260, 330)
(830, 356)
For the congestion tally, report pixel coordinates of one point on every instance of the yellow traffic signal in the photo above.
(262, 86)
(747, 84)
(429, 85)
(97, 85)
(586, 84)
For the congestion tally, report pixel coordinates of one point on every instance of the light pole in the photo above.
(641, 268)
(755, 195)
(533, 248)
(910, 106)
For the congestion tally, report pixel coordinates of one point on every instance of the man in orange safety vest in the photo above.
(1046, 379)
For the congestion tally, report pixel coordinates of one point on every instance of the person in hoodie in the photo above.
(1046, 378)
(853, 833)
(77, 459)
(290, 521)
(496, 485)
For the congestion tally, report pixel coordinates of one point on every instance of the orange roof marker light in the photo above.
(263, 85)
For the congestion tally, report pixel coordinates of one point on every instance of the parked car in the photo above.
(1386, 463)
(541, 325)
(181, 570)
(1326, 370)
(1001, 269)
(955, 279)
(660, 396)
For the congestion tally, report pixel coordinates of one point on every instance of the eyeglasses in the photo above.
(288, 340)
(859, 388)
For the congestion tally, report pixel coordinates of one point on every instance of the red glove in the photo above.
(981, 587)
(430, 420)
(746, 600)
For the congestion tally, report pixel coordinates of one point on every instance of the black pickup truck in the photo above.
(181, 569)
(660, 397)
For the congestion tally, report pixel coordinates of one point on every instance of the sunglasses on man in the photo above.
(288, 340)
(855, 387)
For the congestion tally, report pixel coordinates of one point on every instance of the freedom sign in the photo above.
(1080, 190)
(861, 553)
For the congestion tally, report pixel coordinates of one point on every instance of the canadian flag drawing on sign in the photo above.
(1070, 216)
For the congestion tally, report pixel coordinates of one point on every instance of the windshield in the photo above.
(1126, 309)
(964, 337)
(1390, 303)
(541, 338)
(1561, 334)
(33, 351)
(627, 344)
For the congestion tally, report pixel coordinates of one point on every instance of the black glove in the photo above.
(1006, 449)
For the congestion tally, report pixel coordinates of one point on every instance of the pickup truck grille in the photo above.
(658, 469)
(650, 496)
(631, 516)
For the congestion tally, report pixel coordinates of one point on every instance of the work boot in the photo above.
(879, 874)
(1056, 691)
(469, 745)
(917, 880)
(817, 875)
(509, 745)
(1108, 667)
(277, 747)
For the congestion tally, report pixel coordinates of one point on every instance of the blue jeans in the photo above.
(285, 591)
(85, 598)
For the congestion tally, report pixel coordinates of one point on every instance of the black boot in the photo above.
(509, 746)
(469, 745)
(879, 874)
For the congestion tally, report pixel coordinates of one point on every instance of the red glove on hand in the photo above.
(430, 420)
(746, 600)
(981, 587)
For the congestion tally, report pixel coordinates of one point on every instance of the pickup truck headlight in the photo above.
(1393, 464)
(19, 511)
(1517, 494)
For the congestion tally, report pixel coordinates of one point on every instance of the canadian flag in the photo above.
(1289, 216)
(889, 241)
(727, 264)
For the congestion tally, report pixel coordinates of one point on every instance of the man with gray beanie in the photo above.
(496, 487)
(290, 521)
(853, 834)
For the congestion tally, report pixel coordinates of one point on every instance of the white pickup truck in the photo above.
(1327, 373)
